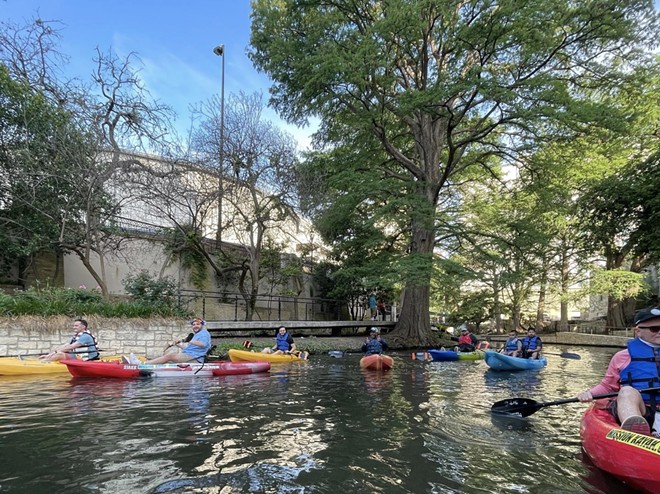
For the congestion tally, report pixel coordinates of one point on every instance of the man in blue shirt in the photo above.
(192, 351)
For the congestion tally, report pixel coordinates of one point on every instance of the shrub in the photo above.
(80, 301)
(145, 288)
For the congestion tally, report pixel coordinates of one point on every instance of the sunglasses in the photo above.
(652, 329)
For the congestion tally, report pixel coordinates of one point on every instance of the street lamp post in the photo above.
(220, 51)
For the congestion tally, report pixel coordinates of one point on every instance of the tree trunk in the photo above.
(414, 325)
(497, 306)
(563, 304)
(543, 285)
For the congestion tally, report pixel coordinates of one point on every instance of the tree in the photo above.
(439, 88)
(77, 203)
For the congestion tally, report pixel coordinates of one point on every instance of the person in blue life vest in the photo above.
(374, 344)
(630, 371)
(513, 345)
(283, 343)
(532, 345)
(194, 350)
(82, 345)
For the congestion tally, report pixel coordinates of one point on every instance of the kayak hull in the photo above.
(376, 362)
(452, 356)
(500, 362)
(632, 458)
(17, 366)
(247, 356)
(119, 370)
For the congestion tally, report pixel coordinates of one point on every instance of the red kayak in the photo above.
(631, 457)
(377, 362)
(80, 368)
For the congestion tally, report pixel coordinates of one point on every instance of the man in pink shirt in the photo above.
(631, 370)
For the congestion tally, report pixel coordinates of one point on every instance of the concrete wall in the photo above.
(29, 334)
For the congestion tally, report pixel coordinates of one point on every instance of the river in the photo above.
(322, 426)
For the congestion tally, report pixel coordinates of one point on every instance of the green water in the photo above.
(322, 426)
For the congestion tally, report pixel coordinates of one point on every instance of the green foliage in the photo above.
(147, 289)
(617, 283)
(72, 302)
(184, 243)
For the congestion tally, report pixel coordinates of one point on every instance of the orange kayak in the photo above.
(377, 362)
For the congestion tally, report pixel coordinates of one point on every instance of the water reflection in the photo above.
(323, 426)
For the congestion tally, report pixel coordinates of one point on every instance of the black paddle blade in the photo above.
(515, 407)
(569, 355)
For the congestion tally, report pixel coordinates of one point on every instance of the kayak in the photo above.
(500, 362)
(120, 370)
(452, 356)
(376, 362)
(631, 457)
(274, 358)
(15, 366)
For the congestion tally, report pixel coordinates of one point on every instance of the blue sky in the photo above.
(173, 39)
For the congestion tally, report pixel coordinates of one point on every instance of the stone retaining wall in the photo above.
(149, 337)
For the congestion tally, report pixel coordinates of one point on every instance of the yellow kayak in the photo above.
(246, 356)
(16, 366)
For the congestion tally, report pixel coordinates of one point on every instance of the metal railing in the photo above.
(231, 306)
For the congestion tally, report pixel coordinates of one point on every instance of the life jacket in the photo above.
(511, 345)
(373, 347)
(465, 339)
(530, 343)
(643, 371)
(282, 343)
(85, 351)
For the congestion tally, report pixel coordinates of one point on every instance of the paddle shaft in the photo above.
(48, 353)
(597, 397)
(505, 408)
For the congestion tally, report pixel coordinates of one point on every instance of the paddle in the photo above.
(574, 356)
(524, 407)
(188, 338)
(19, 355)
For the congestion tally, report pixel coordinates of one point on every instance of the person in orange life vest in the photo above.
(467, 342)
(83, 344)
(532, 345)
(631, 370)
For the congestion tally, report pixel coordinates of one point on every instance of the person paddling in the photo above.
(194, 350)
(632, 369)
(82, 345)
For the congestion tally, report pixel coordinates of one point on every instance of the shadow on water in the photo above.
(322, 426)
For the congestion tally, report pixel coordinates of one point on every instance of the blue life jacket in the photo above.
(282, 343)
(373, 346)
(532, 342)
(511, 345)
(643, 371)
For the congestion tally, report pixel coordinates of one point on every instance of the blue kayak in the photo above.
(501, 362)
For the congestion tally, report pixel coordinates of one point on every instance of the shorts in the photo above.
(649, 415)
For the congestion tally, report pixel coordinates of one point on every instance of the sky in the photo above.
(173, 39)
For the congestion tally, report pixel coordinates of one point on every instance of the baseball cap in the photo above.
(646, 314)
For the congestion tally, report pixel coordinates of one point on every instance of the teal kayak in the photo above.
(501, 362)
